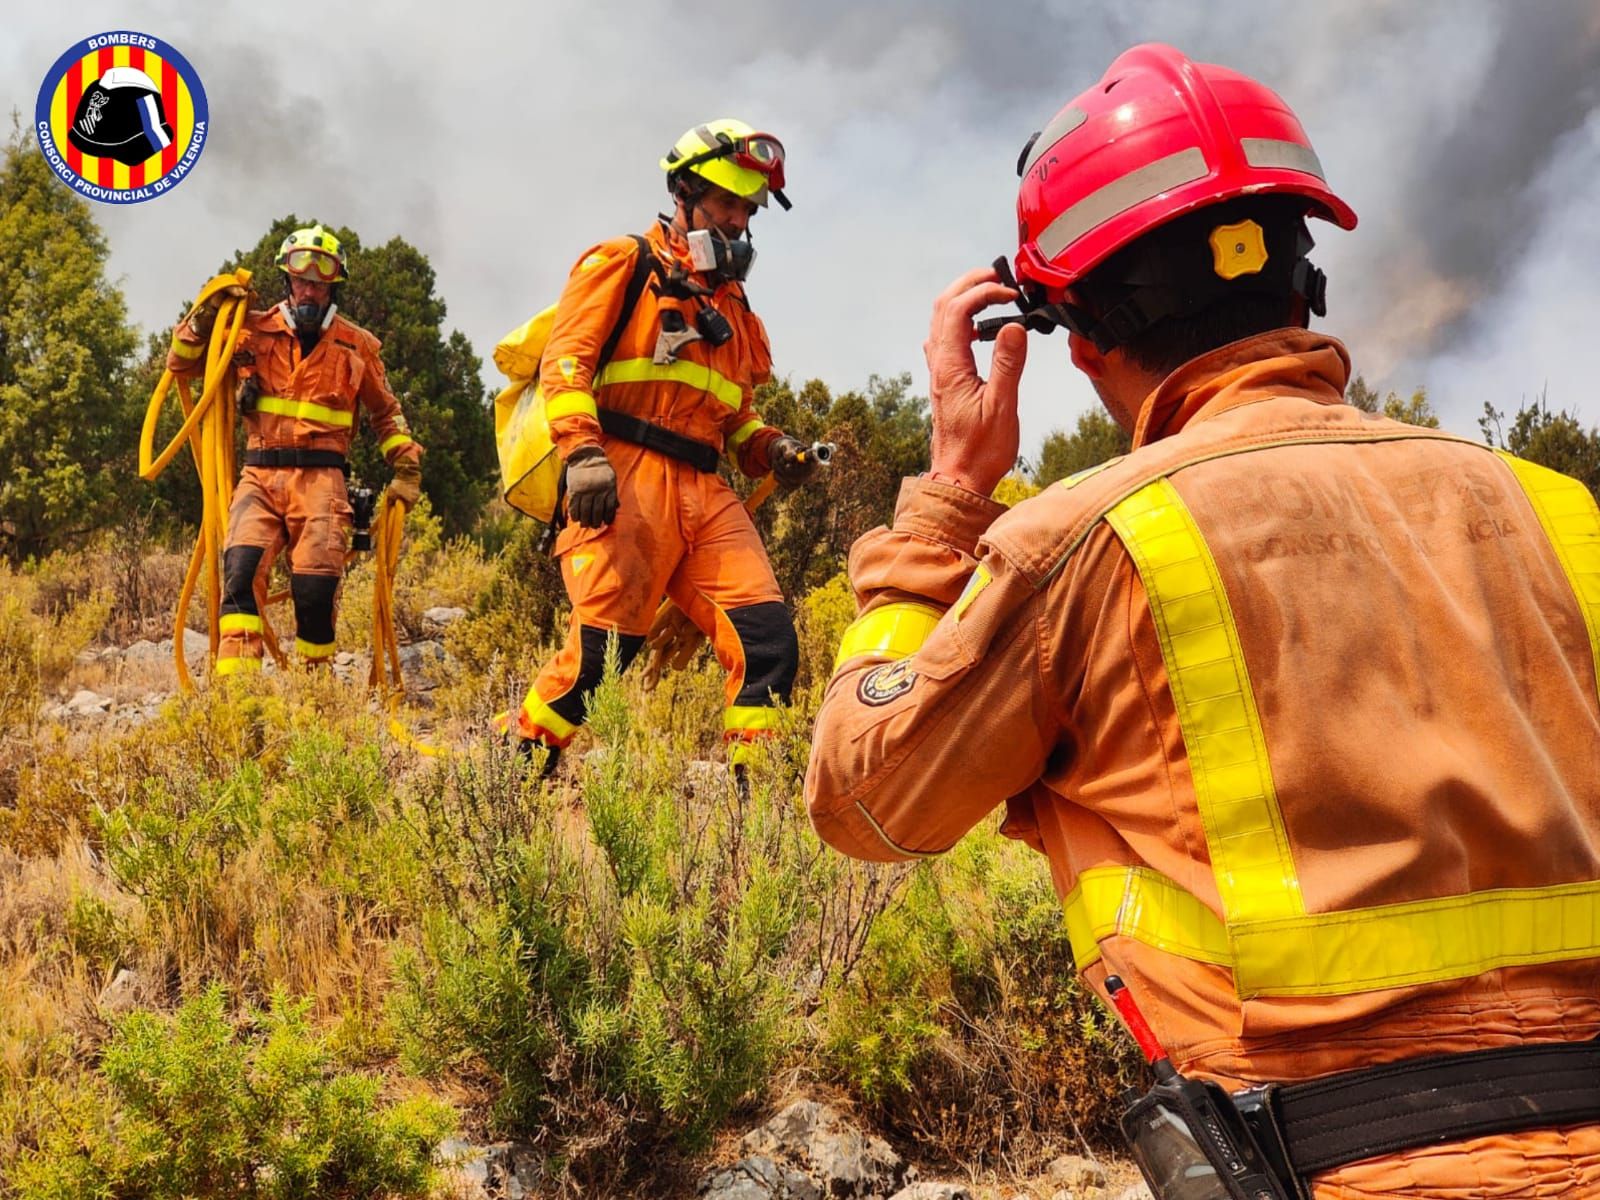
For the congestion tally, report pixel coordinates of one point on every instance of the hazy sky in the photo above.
(504, 139)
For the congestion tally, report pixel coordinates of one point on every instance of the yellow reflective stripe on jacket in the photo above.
(570, 404)
(1422, 941)
(1140, 903)
(893, 631)
(1571, 520)
(1216, 706)
(695, 375)
(185, 350)
(307, 649)
(393, 442)
(749, 718)
(239, 623)
(305, 410)
(236, 666)
(742, 434)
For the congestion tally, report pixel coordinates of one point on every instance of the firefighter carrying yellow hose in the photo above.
(303, 370)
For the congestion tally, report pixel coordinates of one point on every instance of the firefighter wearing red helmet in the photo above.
(306, 373)
(1302, 704)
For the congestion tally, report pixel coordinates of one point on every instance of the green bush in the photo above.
(195, 1106)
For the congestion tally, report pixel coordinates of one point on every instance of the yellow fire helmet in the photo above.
(733, 156)
(315, 254)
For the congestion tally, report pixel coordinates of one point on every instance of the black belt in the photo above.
(296, 458)
(1308, 1128)
(652, 437)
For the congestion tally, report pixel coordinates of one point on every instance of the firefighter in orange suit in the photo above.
(641, 425)
(305, 372)
(1300, 702)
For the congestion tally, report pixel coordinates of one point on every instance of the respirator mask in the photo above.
(722, 256)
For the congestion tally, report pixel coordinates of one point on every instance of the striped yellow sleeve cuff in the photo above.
(894, 631)
(742, 434)
(185, 350)
(393, 442)
(570, 404)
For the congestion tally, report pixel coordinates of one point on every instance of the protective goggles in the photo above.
(759, 152)
(319, 263)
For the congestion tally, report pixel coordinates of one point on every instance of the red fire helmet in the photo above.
(1158, 136)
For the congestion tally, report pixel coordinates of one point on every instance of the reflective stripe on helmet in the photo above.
(305, 410)
(695, 375)
(1275, 152)
(1121, 194)
(891, 632)
(1063, 123)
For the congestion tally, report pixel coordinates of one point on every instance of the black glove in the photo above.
(792, 461)
(591, 488)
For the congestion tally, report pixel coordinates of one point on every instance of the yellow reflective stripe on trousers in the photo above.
(304, 410)
(1222, 734)
(239, 623)
(1140, 903)
(1452, 937)
(307, 649)
(749, 718)
(893, 631)
(185, 350)
(541, 714)
(742, 434)
(568, 404)
(236, 666)
(695, 375)
(393, 442)
(1571, 520)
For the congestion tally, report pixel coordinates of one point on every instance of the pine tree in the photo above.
(1096, 438)
(1554, 439)
(68, 432)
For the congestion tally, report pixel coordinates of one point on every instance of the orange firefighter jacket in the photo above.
(307, 402)
(705, 392)
(1300, 702)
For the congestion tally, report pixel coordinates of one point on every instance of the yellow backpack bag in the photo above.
(530, 468)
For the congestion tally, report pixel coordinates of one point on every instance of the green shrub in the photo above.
(196, 1106)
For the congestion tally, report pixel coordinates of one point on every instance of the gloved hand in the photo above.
(407, 482)
(205, 313)
(591, 488)
(792, 461)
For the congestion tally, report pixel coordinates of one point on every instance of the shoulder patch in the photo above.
(883, 684)
(568, 367)
(592, 261)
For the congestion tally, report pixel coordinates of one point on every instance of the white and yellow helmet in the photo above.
(313, 253)
(732, 155)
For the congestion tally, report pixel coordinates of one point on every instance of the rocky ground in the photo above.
(809, 1151)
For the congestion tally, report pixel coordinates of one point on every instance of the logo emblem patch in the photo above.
(121, 117)
(883, 684)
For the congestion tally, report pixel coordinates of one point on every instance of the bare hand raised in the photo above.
(975, 432)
